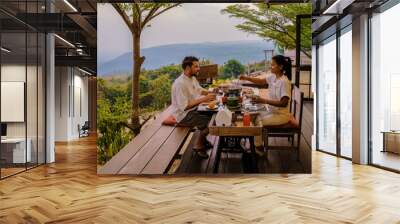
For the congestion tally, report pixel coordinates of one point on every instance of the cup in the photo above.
(219, 99)
(256, 91)
(246, 119)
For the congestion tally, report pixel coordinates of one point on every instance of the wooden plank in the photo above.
(188, 155)
(308, 116)
(223, 163)
(194, 167)
(122, 157)
(307, 134)
(262, 164)
(287, 157)
(305, 155)
(70, 191)
(197, 164)
(272, 163)
(136, 164)
(234, 163)
(206, 162)
(307, 125)
(285, 161)
(161, 161)
(213, 154)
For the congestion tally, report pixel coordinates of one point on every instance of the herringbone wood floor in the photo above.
(69, 191)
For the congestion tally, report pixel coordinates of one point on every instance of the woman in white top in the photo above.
(279, 87)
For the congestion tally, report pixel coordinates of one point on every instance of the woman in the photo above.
(279, 88)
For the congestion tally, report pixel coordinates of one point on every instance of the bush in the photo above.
(161, 91)
(232, 69)
(111, 124)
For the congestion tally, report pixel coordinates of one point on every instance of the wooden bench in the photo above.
(151, 152)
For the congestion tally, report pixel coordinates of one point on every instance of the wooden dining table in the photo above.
(236, 132)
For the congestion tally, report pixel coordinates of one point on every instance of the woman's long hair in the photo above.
(286, 64)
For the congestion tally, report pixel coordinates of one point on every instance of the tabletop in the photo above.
(237, 128)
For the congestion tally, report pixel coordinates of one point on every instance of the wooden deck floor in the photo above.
(69, 191)
(273, 162)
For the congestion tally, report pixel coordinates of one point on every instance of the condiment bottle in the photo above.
(246, 119)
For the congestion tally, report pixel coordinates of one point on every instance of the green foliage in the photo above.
(232, 68)
(138, 15)
(114, 105)
(161, 91)
(111, 123)
(274, 22)
(115, 108)
(172, 70)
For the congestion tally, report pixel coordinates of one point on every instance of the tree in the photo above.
(161, 91)
(232, 68)
(275, 22)
(137, 17)
(173, 70)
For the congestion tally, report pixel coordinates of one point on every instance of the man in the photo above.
(186, 95)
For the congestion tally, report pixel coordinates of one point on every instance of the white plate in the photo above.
(255, 107)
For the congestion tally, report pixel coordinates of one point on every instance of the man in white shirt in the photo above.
(186, 95)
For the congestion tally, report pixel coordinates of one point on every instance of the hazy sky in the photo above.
(190, 23)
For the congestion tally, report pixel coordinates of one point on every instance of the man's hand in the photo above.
(212, 90)
(209, 97)
(243, 77)
(202, 99)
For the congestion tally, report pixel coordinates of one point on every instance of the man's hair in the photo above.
(188, 61)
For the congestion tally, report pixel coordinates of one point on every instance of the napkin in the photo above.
(224, 117)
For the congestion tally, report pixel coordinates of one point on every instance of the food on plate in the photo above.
(212, 105)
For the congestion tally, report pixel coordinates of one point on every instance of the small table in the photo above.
(14, 152)
(236, 131)
(391, 141)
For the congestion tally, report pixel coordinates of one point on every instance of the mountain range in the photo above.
(217, 52)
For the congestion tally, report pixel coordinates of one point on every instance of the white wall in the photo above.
(11, 73)
(71, 87)
(33, 126)
(62, 81)
(16, 73)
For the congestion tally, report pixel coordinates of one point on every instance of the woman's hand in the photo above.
(256, 99)
(247, 92)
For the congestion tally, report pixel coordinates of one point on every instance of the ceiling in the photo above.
(74, 22)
